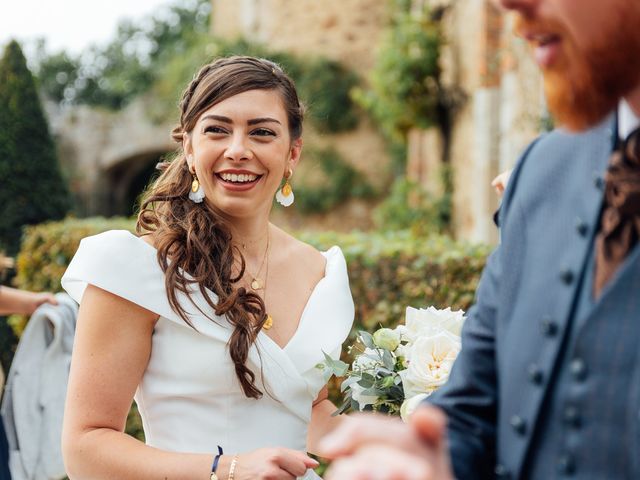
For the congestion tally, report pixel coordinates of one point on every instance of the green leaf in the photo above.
(388, 360)
(366, 338)
(338, 367)
(367, 380)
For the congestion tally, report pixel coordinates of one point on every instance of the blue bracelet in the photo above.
(215, 464)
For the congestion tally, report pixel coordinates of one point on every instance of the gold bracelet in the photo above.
(232, 468)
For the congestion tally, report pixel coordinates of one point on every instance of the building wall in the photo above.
(348, 31)
(500, 115)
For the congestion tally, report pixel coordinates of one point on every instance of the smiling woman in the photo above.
(227, 315)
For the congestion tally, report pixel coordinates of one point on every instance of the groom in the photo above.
(548, 381)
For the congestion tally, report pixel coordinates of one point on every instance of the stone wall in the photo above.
(502, 112)
(101, 152)
(347, 31)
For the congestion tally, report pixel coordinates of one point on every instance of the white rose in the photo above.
(410, 404)
(387, 339)
(363, 400)
(367, 360)
(431, 361)
(430, 321)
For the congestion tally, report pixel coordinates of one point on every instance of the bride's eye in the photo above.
(214, 129)
(263, 132)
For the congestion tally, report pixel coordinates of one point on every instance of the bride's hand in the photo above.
(272, 464)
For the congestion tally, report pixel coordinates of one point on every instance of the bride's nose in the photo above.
(238, 148)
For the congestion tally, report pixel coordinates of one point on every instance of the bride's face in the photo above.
(240, 149)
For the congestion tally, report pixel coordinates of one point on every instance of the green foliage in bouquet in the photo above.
(33, 189)
(374, 374)
(393, 370)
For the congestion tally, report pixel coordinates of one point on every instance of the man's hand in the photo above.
(373, 447)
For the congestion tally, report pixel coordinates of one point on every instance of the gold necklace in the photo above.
(256, 282)
(268, 323)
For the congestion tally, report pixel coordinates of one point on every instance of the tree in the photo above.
(112, 75)
(33, 189)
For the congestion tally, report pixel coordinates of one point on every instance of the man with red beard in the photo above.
(547, 384)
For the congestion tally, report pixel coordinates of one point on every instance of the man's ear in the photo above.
(295, 152)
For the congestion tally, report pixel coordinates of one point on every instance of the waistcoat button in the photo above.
(578, 369)
(518, 425)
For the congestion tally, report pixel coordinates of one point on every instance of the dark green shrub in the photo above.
(388, 271)
(405, 89)
(326, 85)
(33, 189)
(335, 182)
(409, 206)
(323, 85)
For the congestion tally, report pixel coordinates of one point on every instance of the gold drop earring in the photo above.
(196, 194)
(284, 195)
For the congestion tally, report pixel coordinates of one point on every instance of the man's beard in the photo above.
(587, 82)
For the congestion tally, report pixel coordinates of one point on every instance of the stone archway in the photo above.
(125, 181)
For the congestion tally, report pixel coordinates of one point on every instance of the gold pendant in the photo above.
(286, 189)
(195, 185)
(256, 284)
(268, 323)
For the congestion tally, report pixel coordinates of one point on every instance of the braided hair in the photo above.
(193, 242)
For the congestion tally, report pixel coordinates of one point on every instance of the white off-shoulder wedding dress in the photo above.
(189, 398)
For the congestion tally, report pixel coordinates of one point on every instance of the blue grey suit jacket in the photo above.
(525, 302)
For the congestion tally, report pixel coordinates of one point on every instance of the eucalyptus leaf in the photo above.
(366, 338)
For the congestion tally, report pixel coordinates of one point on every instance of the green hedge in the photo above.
(388, 271)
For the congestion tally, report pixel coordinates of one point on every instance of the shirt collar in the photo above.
(628, 121)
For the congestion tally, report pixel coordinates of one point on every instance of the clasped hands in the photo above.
(375, 447)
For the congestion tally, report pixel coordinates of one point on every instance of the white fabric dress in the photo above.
(189, 398)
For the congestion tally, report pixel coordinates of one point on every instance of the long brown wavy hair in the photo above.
(193, 241)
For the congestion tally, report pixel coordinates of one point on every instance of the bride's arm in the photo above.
(321, 420)
(111, 351)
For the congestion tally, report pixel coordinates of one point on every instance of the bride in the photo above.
(213, 319)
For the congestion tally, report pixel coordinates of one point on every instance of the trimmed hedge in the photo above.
(388, 271)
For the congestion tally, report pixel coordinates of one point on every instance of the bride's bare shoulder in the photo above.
(307, 257)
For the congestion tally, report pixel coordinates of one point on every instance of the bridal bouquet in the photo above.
(395, 369)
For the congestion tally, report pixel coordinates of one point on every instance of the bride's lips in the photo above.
(546, 47)
(237, 180)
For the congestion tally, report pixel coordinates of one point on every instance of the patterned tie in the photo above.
(620, 221)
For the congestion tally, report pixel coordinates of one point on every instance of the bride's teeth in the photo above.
(238, 178)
